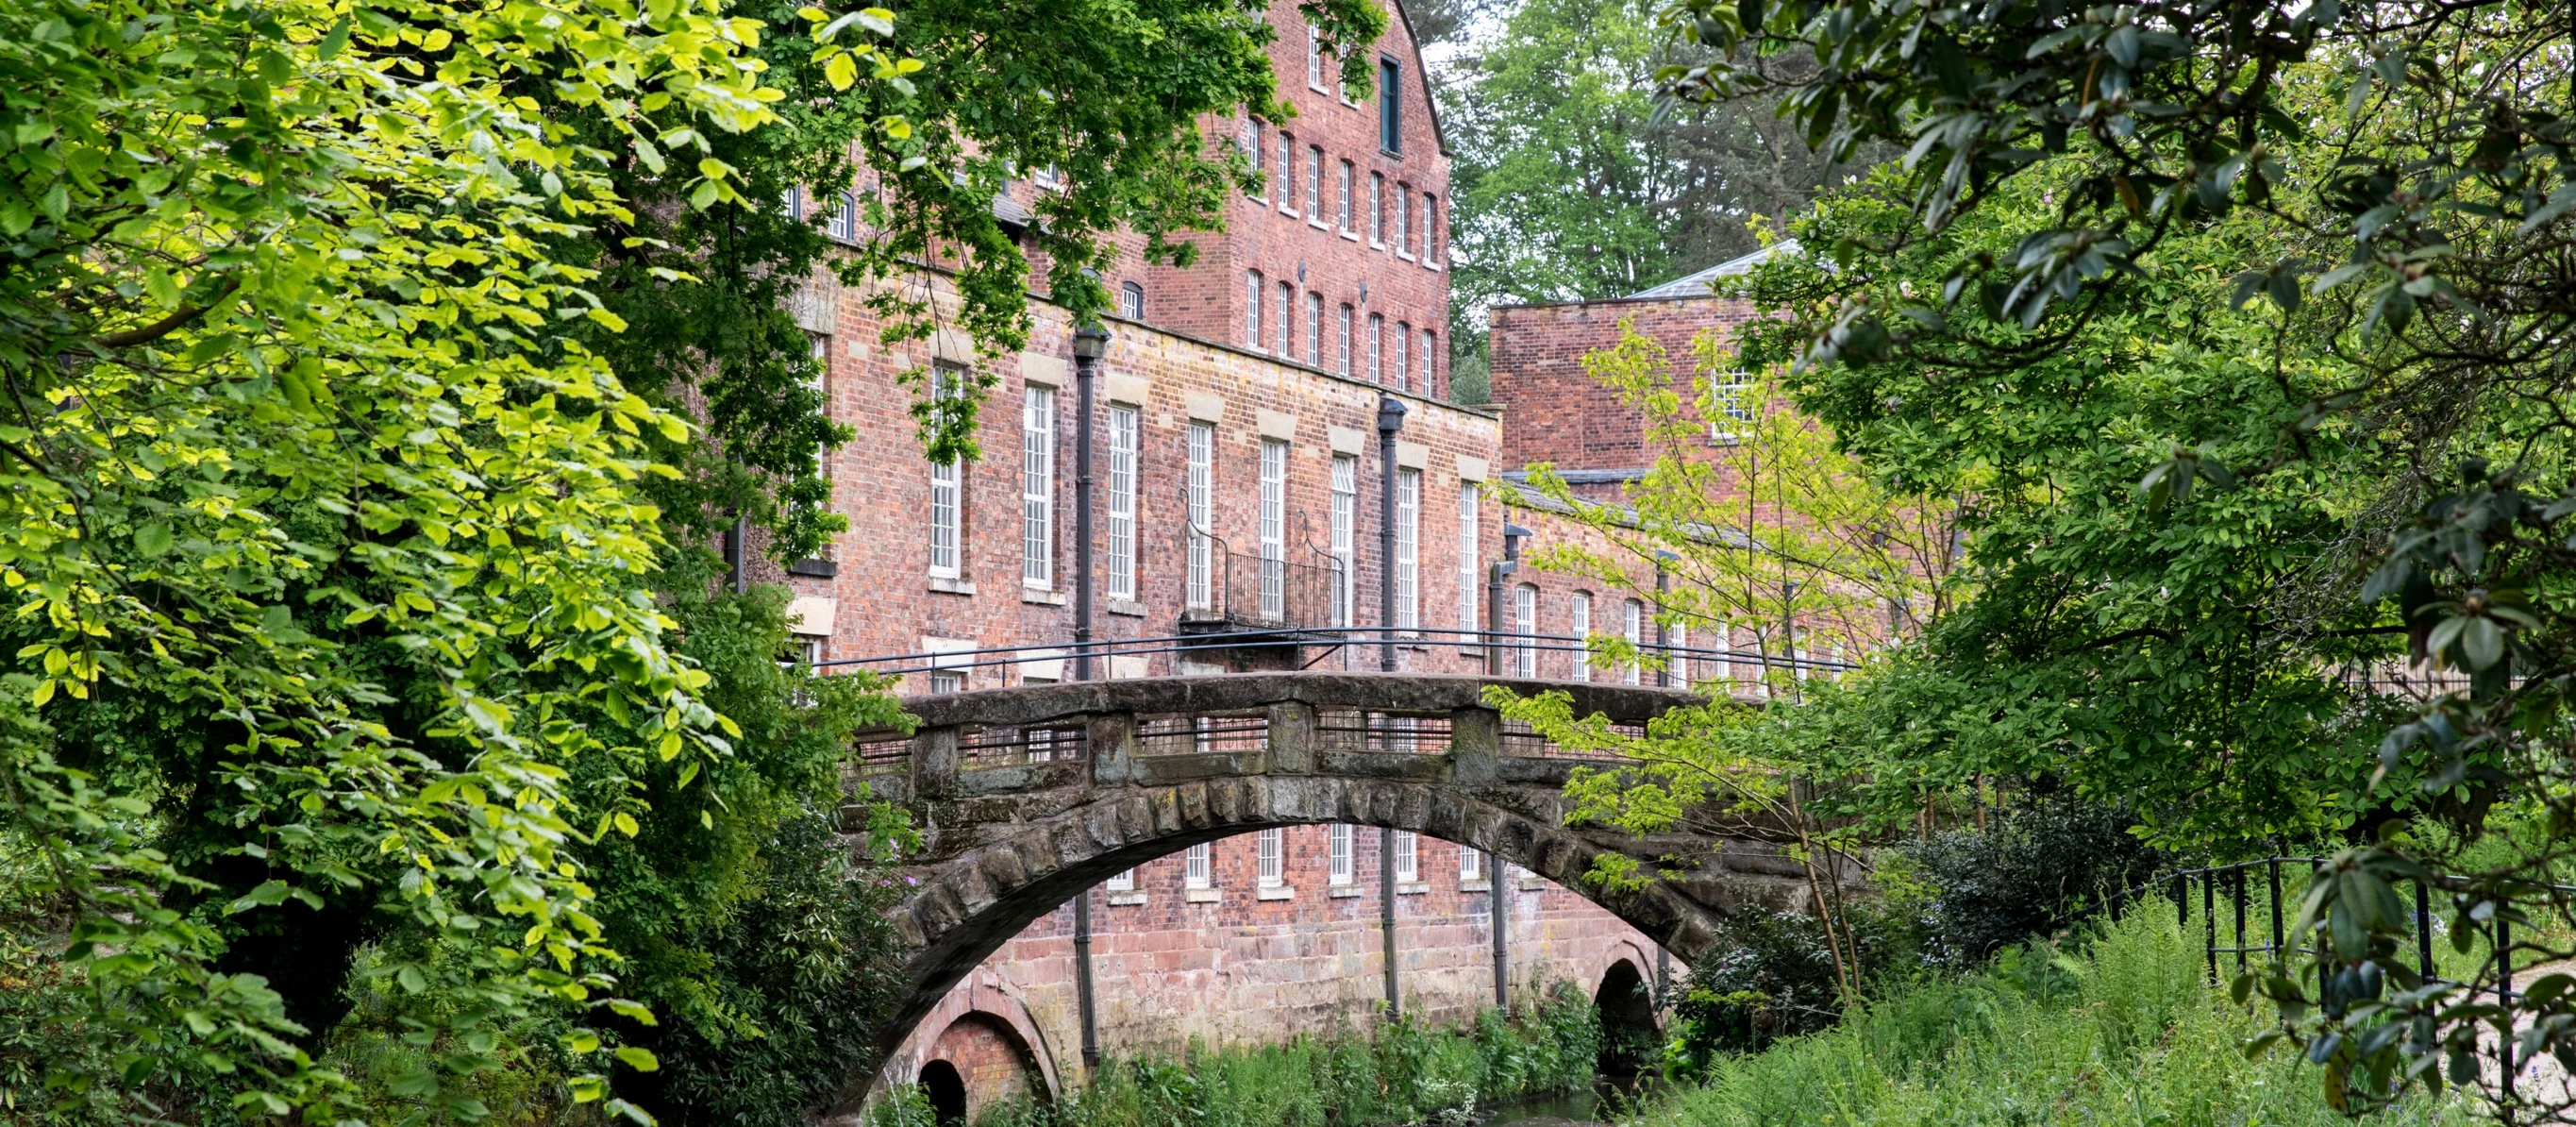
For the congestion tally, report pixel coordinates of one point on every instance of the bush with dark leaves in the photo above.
(2035, 870)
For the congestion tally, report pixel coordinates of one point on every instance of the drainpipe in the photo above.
(1494, 576)
(738, 555)
(1390, 421)
(1386, 913)
(1089, 343)
(1496, 870)
(1082, 984)
(1663, 584)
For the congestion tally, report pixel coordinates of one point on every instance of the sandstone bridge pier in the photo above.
(1028, 796)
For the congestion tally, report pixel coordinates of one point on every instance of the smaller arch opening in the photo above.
(1629, 1036)
(946, 1091)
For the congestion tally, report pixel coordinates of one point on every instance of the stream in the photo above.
(1572, 1109)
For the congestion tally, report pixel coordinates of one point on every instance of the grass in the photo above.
(2123, 1032)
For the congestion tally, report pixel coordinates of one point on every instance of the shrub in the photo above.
(2037, 869)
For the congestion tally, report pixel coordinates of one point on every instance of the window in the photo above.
(1037, 488)
(1273, 860)
(1346, 340)
(1346, 507)
(1798, 651)
(1047, 177)
(1525, 623)
(1429, 345)
(1467, 552)
(1635, 627)
(1315, 183)
(1723, 665)
(1123, 425)
(1251, 140)
(1346, 197)
(1408, 549)
(1404, 220)
(947, 488)
(1730, 407)
(947, 682)
(1578, 614)
(1678, 657)
(845, 219)
(1315, 329)
(1287, 172)
(1403, 333)
(1314, 58)
(1376, 331)
(1125, 881)
(1471, 863)
(1377, 209)
(1201, 485)
(1131, 301)
(1408, 856)
(1288, 321)
(1253, 296)
(1339, 860)
(1430, 224)
(1197, 871)
(1390, 105)
(1274, 529)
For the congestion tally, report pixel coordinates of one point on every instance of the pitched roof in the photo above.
(1704, 282)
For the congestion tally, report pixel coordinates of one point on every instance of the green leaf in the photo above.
(841, 71)
(152, 538)
(641, 1060)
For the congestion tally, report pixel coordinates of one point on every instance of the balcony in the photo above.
(1257, 600)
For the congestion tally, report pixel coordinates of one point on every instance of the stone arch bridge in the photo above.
(1027, 796)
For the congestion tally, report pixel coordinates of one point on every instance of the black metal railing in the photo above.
(1201, 733)
(980, 745)
(1257, 593)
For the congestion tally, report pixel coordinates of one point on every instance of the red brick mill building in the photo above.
(1253, 412)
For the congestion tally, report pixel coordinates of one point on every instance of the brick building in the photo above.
(1240, 469)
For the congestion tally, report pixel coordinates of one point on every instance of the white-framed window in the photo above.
(1315, 183)
(1124, 425)
(1376, 335)
(1202, 487)
(1408, 549)
(1430, 348)
(1037, 488)
(1338, 854)
(1315, 328)
(1253, 297)
(1525, 623)
(1403, 333)
(1252, 149)
(1471, 863)
(1047, 177)
(947, 488)
(947, 681)
(1404, 220)
(1288, 321)
(845, 219)
(1377, 209)
(1197, 867)
(1346, 197)
(1430, 225)
(1346, 341)
(1468, 536)
(1273, 858)
(1633, 622)
(1678, 658)
(1578, 621)
(1346, 507)
(1835, 672)
(1125, 881)
(1287, 172)
(791, 203)
(1314, 58)
(1730, 407)
(1798, 647)
(1274, 529)
(1131, 301)
(1408, 857)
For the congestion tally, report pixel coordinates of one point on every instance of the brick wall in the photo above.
(1235, 963)
(1557, 413)
(989, 1057)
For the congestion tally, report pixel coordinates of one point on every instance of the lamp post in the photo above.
(1090, 343)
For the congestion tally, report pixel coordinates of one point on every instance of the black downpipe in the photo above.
(1663, 640)
(1498, 894)
(1386, 914)
(1495, 574)
(1390, 422)
(1089, 344)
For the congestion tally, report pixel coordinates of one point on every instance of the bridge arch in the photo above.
(1029, 796)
